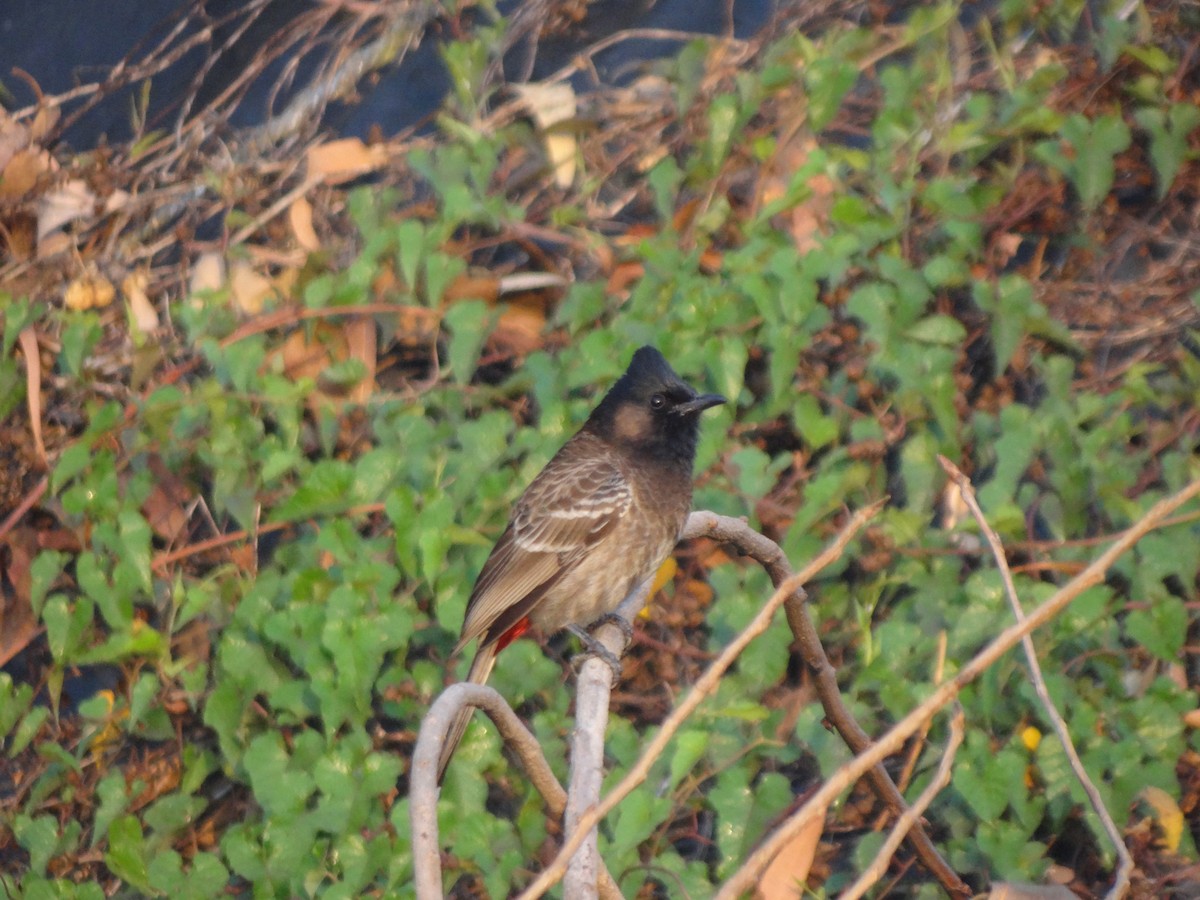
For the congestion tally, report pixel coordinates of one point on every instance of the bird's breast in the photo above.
(629, 554)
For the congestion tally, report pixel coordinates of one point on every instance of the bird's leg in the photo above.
(592, 647)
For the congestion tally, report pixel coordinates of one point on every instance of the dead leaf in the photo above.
(249, 288)
(1159, 815)
(473, 287)
(300, 217)
(521, 323)
(23, 170)
(52, 245)
(13, 137)
(305, 357)
(787, 872)
(72, 200)
(43, 122)
(343, 160)
(553, 107)
(141, 310)
(208, 274)
(361, 345)
(118, 199)
(166, 507)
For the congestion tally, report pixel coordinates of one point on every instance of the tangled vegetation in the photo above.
(247, 493)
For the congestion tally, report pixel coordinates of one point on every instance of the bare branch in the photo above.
(771, 556)
(1124, 859)
(904, 824)
(706, 684)
(745, 878)
(423, 788)
(587, 746)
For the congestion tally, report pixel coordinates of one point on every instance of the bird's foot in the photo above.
(593, 648)
(613, 619)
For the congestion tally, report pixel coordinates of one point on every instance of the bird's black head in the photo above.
(651, 410)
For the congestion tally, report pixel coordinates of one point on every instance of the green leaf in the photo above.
(689, 748)
(127, 853)
(326, 489)
(38, 836)
(1161, 629)
(942, 330)
(468, 322)
(1169, 133)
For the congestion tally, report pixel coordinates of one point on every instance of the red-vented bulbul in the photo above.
(597, 521)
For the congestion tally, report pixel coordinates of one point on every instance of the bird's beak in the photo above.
(701, 403)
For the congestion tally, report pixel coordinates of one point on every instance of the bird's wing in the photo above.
(563, 513)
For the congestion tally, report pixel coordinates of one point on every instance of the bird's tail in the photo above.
(481, 668)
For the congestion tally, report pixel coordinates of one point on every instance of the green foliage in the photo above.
(1085, 154)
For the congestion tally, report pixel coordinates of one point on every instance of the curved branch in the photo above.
(423, 787)
(771, 557)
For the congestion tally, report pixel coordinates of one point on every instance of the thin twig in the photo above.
(705, 686)
(1124, 859)
(873, 872)
(745, 878)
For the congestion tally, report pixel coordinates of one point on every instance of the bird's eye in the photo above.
(658, 401)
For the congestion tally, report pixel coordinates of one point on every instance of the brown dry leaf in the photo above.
(118, 199)
(22, 171)
(55, 244)
(808, 219)
(43, 122)
(18, 624)
(91, 290)
(305, 357)
(141, 310)
(416, 324)
(360, 343)
(344, 160)
(811, 216)
(249, 288)
(473, 287)
(208, 274)
(1007, 245)
(521, 324)
(1160, 815)
(13, 137)
(166, 508)
(300, 217)
(33, 390)
(624, 276)
(552, 107)
(70, 201)
(787, 873)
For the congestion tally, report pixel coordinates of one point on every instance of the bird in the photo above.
(595, 523)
